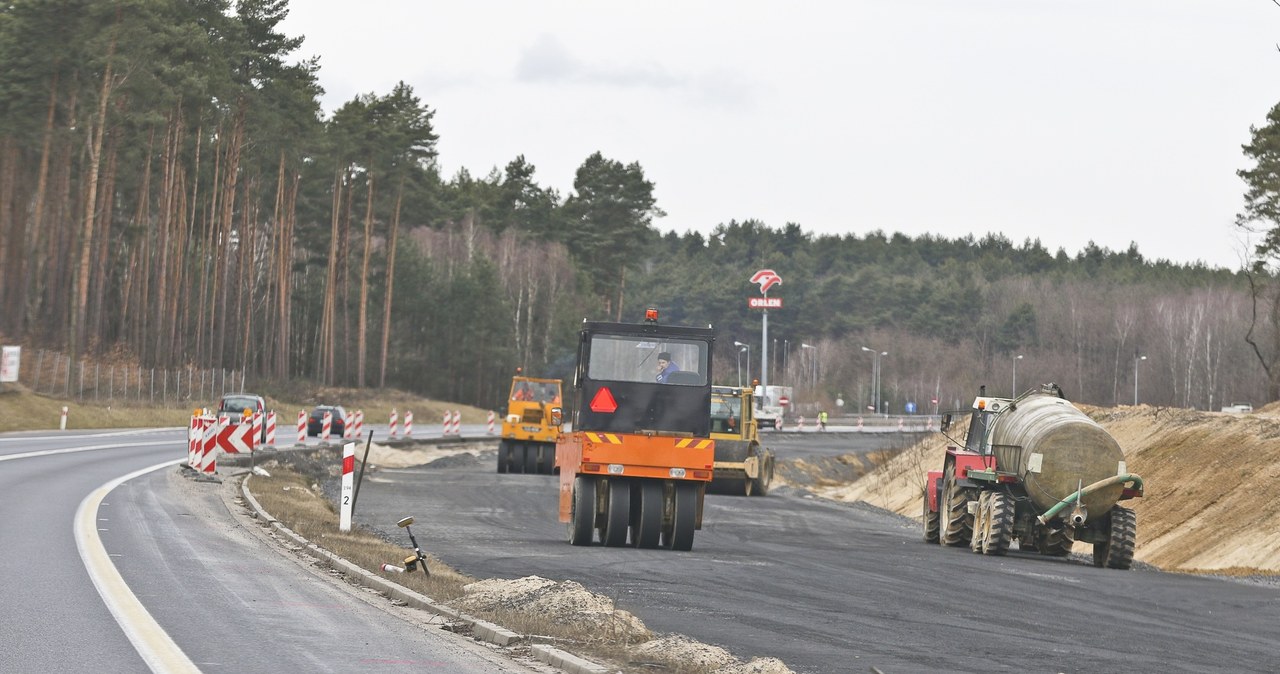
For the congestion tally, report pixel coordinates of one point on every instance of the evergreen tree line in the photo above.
(171, 191)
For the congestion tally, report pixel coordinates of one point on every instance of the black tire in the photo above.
(646, 513)
(1117, 551)
(547, 461)
(684, 516)
(998, 525)
(761, 483)
(617, 519)
(932, 520)
(530, 457)
(504, 456)
(582, 512)
(1051, 543)
(978, 535)
(956, 527)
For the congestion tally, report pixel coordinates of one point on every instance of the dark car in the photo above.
(338, 424)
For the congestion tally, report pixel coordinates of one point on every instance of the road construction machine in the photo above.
(1036, 470)
(742, 466)
(635, 467)
(528, 443)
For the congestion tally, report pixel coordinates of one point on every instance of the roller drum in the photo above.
(1055, 449)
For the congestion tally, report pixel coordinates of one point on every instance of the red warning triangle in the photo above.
(603, 402)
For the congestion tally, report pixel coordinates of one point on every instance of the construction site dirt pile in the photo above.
(1210, 504)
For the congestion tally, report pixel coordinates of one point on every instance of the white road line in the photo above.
(176, 444)
(70, 435)
(150, 640)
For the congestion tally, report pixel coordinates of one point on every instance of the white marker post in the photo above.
(348, 485)
(63, 424)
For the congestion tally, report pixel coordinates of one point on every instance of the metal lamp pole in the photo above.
(1136, 360)
(744, 347)
(1015, 375)
(875, 375)
(813, 370)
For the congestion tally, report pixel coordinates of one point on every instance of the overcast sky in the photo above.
(1104, 120)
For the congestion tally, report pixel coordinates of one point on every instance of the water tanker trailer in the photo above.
(1036, 470)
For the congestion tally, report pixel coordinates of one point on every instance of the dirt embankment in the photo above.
(1210, 507)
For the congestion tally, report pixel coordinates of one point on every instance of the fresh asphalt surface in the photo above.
(227, 600)
(830, 587)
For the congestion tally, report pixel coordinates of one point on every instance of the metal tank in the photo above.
(1056, 449)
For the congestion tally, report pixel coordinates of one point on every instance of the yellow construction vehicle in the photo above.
(528, 443)
(742, 466)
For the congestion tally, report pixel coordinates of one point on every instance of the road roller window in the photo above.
(631, 359)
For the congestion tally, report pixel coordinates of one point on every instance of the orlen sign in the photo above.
(766, 279)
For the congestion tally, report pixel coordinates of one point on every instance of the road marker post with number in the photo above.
(348, 485)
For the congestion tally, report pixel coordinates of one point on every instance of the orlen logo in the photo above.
(767, 279)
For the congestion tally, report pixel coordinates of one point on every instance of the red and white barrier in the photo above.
(257, 426)
(271, 429)
(348, 427)
(348, 470)
(799, 423)
(408, 424)
(900, 423)
(359, 422)
(326, 425)
(456, 424)
(491, 417)
(395, 425)
(777, 424)
(302, 427)
(859, 424)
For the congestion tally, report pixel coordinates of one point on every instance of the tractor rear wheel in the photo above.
(613, 531)
(1117, 551)
(956, 527)
(684, 515)
(981, 523)
(1051, 542)
(931, 522)
(646, 513)
(582, 511)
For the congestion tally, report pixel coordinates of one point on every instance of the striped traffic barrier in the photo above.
(859, 424)
(359, 421)
(491, 417)
(900, 422)
(326, 425)
(408, 424)
(271, 428)
(446, 423)
(257, 429)
(347, 427)
(800, 423)
(395, 425)
(302, 427)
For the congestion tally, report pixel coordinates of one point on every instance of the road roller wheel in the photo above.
(998, 524)
(760, 484)
(931, 522)
(530, 457)
(956, 527)
(547, 462)
(504, 456)
(582, 511)
(646, 513)
(1117, 551)
(684, 514)
(613, 531)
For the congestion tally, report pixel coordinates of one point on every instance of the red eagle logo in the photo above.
(767, 279)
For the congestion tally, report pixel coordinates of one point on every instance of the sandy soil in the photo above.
(1209, 505)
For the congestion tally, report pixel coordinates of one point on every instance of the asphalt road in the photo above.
(831, 587)
(178, 583)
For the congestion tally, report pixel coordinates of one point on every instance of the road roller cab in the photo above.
(636, 464)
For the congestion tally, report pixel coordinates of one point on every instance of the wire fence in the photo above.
(51, 373)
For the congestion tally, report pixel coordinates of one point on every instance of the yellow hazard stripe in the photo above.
(608, 438)
(694, 443)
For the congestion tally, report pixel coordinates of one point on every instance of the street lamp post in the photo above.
(743, 348)
(1136, 359)
(1015, 374)
(875, 376)
(813, 370)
